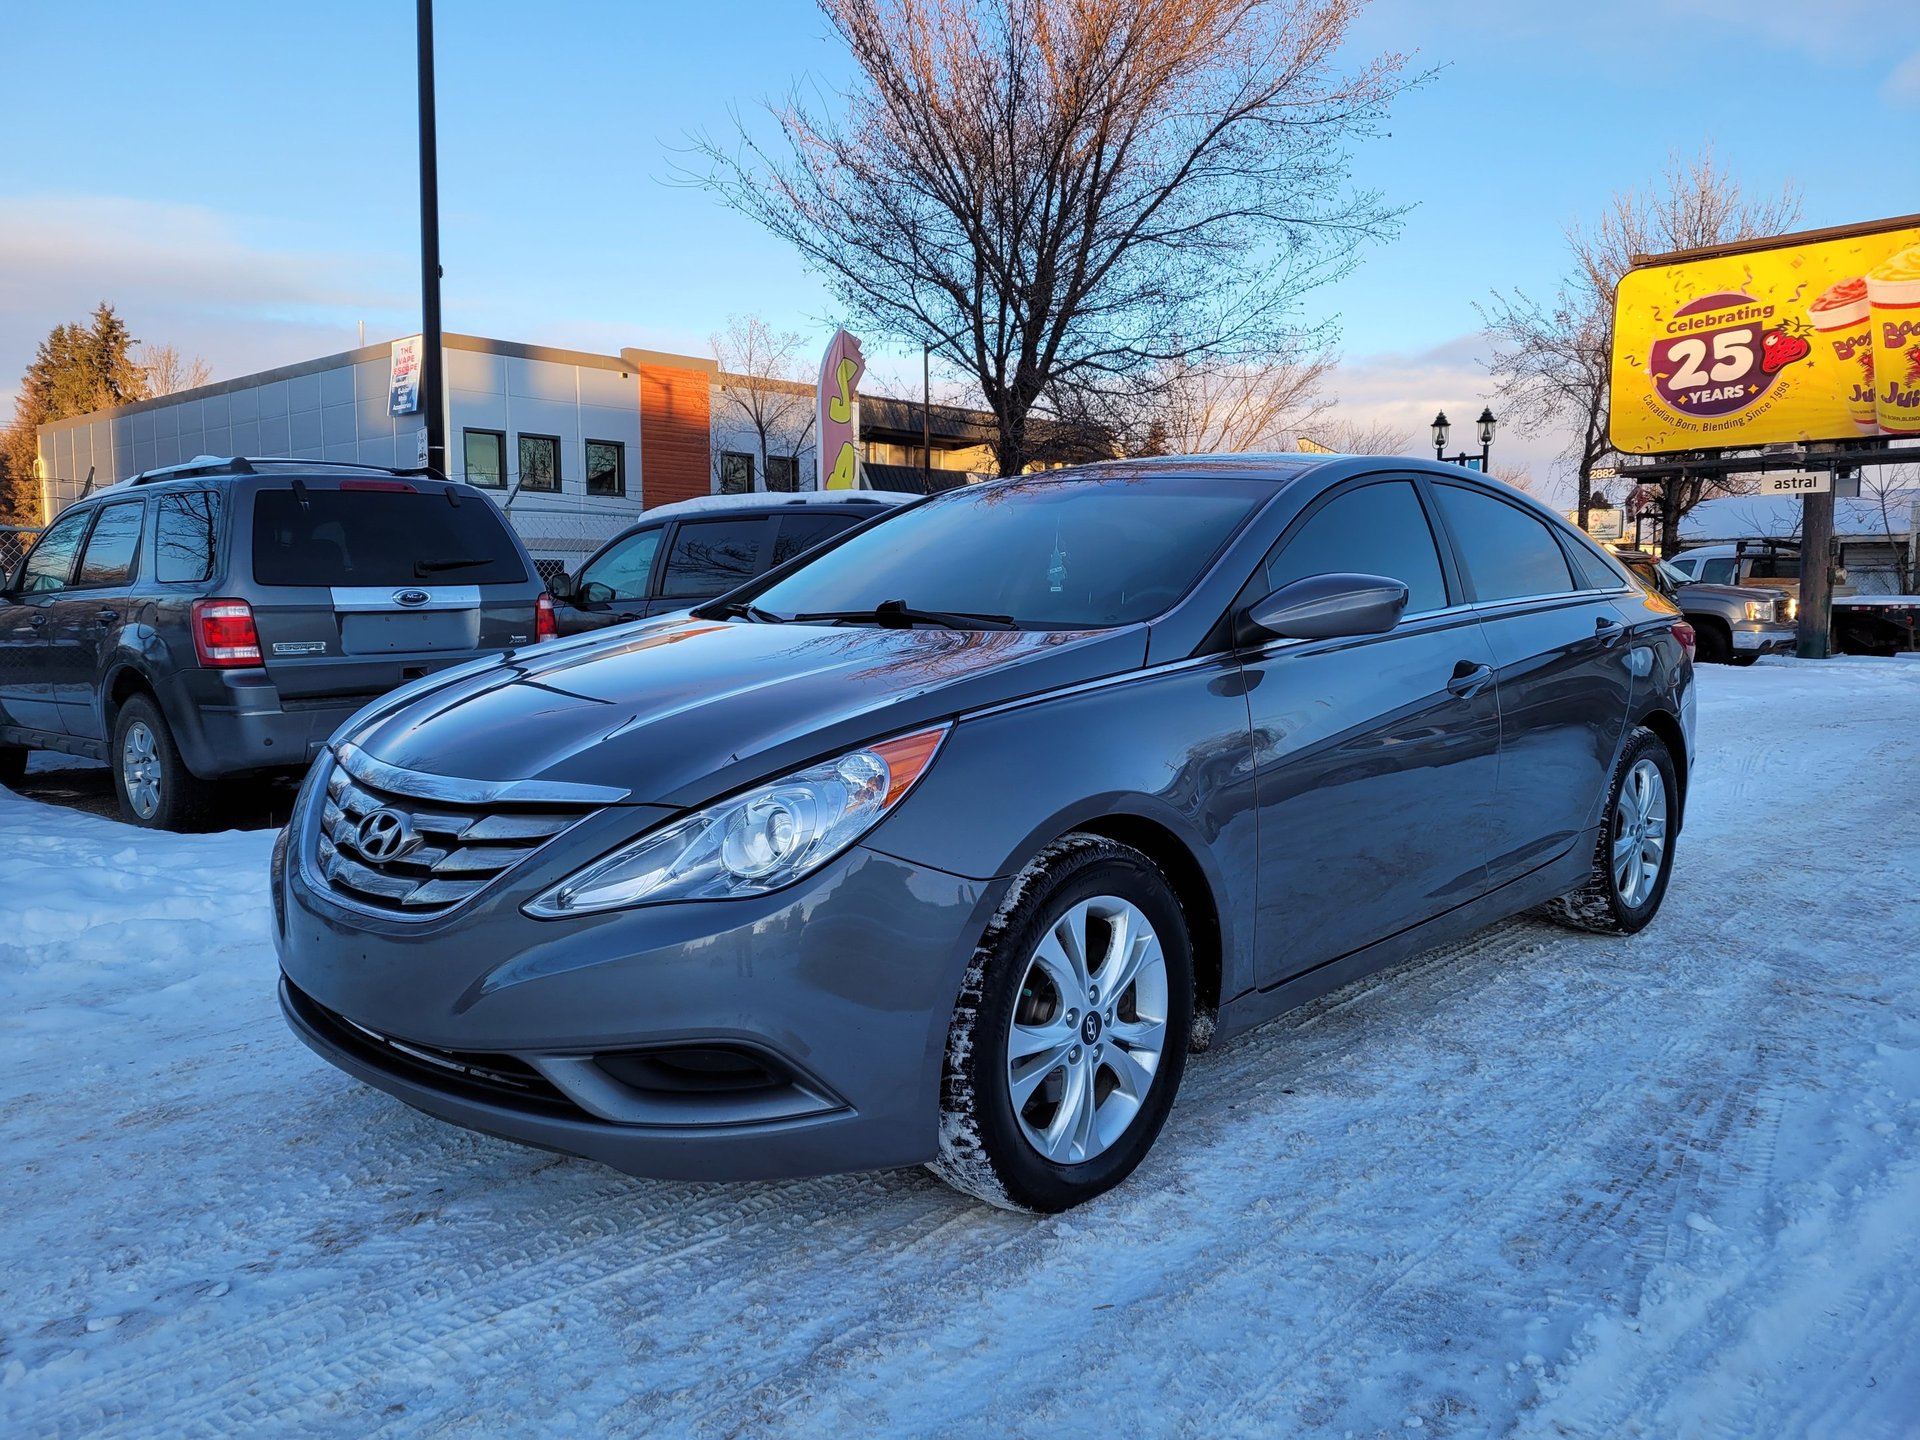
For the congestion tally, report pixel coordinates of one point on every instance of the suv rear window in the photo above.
(380, 537)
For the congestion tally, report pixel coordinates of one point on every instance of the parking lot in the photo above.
(1535, 1183)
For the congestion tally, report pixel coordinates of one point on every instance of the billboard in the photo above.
(1810, 337)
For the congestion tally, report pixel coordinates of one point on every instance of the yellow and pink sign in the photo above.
(1798, 338)
(839, 421)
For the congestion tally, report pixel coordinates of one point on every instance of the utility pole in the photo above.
(432, 365)
(1816, 574)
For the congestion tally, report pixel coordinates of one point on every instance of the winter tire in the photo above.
(1071, 1032)
(150, 780)
(1713, 643)
(1634, 858)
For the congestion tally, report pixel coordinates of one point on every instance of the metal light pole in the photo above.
(432, 377)
(1441, 429)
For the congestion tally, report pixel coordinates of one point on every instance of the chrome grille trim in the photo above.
(470, 832)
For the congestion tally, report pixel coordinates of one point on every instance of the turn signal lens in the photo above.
(223, 633)
(758, 841)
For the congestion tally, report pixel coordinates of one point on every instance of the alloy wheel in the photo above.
(1088, 1031)
(140, 769)
(1639, 832)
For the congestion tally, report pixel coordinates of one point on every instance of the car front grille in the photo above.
(414, 845)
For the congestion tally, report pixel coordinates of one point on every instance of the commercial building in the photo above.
(571, 444)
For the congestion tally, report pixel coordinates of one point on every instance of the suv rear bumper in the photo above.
(229, 722)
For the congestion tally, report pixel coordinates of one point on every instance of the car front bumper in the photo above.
(574, 1035)
(1758, 637)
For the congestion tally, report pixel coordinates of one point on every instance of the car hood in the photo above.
(1734, 593)
(676, 712)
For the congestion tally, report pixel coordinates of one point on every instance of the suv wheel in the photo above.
(1713, 642)
(1634, 860)
(13, 766)
(1071, 1032)
(151, 781)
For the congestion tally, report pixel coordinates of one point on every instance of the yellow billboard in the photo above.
(1799, 338)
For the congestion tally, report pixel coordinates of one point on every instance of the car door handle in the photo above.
(1608, 632)
(1469, 679)
(106, 617)
(37, 620)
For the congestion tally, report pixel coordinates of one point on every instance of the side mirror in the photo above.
(593, 593)
(561, 587)
(1326, 607)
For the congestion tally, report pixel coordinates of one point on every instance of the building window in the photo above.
(486, 457)
(606, 467)
(783, 472)
(736, 472)
(539, 462)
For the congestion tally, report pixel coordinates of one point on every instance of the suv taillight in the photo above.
(546, 626)
(1683, 632)
(223, 633)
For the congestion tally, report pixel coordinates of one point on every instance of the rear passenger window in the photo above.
(1376, 530)
(710, 556)
(1594, 571)
(183, 537)
(113, 546)
(1507, 552)
(799, 533)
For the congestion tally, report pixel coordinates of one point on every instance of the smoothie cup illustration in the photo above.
(1840, 318)
(1893, 293)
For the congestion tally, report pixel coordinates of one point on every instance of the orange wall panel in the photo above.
(676, 422)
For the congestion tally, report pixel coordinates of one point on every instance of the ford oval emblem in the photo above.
(411, 597)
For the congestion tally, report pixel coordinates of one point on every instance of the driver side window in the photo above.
(50, 566)
(622, 572)
(1378, 529)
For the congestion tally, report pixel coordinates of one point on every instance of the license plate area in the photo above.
(375, 634)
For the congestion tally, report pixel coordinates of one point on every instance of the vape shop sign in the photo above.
(1797, 338)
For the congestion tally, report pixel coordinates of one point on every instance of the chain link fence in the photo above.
(15, 541)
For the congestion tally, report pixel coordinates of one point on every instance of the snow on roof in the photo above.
(1754, 517)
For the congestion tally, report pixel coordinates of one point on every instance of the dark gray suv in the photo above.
(222, 617)
(947, 841)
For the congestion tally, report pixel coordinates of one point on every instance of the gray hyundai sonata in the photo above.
(947, 844)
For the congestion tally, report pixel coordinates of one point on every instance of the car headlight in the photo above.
(1760, 610)
(757, 841)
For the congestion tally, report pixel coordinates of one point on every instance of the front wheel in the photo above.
(1633, 860)
(1071, 1031)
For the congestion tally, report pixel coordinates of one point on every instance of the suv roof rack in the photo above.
(217, 466)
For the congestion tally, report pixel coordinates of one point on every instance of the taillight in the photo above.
(223, 633)
(1683, 632)
(546, 625)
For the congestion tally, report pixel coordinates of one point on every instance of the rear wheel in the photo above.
(1633, 860)
(151, 781)
(1071, 1033)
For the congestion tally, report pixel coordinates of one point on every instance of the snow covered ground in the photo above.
(1538, 1183)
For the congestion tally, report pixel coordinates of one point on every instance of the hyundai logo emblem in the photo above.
(386, 835)
(411, 597)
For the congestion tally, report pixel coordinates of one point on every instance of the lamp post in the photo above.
(1441, 429)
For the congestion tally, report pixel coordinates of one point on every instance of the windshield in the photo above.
(1046, 552)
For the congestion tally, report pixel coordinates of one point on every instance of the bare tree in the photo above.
(168, 372)
(1553, 358)
(763, 387)
(1352, 435)
(1894, 493)
(1518, 476)
(1063, 196)
(1201, 409)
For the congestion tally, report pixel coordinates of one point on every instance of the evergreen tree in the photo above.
(76, 370)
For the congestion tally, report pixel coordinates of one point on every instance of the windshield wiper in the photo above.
(747, 609)
(433, 567)
(898, 615)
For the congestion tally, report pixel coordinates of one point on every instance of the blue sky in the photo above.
(239, 178)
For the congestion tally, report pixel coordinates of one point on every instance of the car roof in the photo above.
(775, 501)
